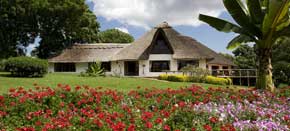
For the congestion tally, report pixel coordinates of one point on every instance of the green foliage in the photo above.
(281, 62)
(115, 36)
(174, 78)
(196, 79)
(59, 24)
(218, 81)
(18, 26)
(196, 74)
(2, 65)
(94, 70)
(263, 22)
(245, 57)
(65, 22)
(26, 67)
(281, 73)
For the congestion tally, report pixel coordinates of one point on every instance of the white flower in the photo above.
(176, 105)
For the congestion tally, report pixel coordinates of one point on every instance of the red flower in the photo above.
(181, 104)
(286, 118)
(149, 125)
(193, 129)
(26, 129)
(1, 98)
(166, 128)
(146, 115)
(82, 120)
(158, 121)
(213, 120)
(131, 127)
(207, 127)
(228, 127)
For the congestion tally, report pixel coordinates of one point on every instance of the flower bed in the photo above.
(193, 108)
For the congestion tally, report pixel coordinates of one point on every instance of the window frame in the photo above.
(65, 67)
(152, 66)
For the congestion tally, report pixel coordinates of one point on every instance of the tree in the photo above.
(115, 36)
(64, 23)
(245, 57)
(59, 24)
(262, 22)
(281, 62)
(18, 26)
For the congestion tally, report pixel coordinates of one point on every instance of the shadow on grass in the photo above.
(9, 75)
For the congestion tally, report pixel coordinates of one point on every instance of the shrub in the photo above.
(26, 67)
(281, 73)
(94, 70)
(196, 79)
(174, 78)
(196, 71)
(2, 65)
(196, 74)
(218, 81)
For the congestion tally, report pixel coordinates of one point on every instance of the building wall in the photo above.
(81, 67)
(117, 68)
(144, 65)
(50, 67)
(202, 63)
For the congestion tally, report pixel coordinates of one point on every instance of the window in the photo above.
(159, 66)
(105, 65)
(64, 67)
(161, 46)
(183, 63)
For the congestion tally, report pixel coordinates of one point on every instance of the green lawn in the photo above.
(121, 84)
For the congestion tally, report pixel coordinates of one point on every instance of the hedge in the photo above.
(218, 81)
(196, 79)
(26, 67)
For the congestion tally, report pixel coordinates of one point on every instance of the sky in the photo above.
(136, 17)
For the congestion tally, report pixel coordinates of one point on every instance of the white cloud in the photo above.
(148, 13)
(123, 29)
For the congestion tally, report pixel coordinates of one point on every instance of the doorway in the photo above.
(131, 68)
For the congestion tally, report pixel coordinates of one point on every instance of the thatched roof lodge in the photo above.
(160, 49)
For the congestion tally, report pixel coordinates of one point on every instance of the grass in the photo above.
(120, 84)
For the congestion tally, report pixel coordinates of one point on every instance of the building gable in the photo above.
(160, 44)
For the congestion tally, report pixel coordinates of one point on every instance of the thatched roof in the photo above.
(88, 53)
(183, 47)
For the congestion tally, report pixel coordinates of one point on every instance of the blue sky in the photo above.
(136, 17)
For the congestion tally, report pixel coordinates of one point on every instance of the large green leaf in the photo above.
(237, 41)
(277, 11)
(255, 10)
(221, 25)
(235, 8)
(284, 32)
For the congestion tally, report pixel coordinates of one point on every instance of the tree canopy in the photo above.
(281, 61)
(245, 57)
(115, 36)
(18, 26)
(59, 24)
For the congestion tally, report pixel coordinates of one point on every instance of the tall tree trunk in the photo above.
(264, 79)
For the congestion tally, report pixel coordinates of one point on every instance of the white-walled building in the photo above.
(161, 49)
